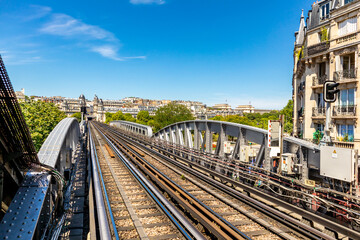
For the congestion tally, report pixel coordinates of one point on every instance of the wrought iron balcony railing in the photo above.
(301, 87)
(301, 112)
(319, 80)
(344, 110)
(318, 48)
(345, 74)
(318, 111)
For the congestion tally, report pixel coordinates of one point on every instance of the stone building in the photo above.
(245, 108)
(20, 95)
(327, 48)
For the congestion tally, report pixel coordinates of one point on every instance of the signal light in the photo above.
(330, 91)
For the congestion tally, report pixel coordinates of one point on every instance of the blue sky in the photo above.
(214, 51)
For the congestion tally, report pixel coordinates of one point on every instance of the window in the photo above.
(319, 127)
(322, 69)
(347, 97)
(345, 133)
(320, 101)
(348, 62)
(348, 1)
(325, 11)
(347, 26)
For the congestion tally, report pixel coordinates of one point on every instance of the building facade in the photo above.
(327, 47)
(245, 108)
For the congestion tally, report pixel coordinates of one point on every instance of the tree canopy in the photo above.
(143, 117)
(173, 113)
(118, 116)
(170, 114)
(287, 111)
(41, 118)
(77, 116)
(261, 120)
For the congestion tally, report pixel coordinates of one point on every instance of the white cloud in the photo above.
(159, 2)
(67, 26)
(37, 12)
(20, 60)
(89, 36)
(109, 51)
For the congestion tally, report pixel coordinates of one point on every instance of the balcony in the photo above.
(344, 111)
(349, 74)
(319, 80)
(301, 113)
(340, 144)
(319, 112)
(318, 48)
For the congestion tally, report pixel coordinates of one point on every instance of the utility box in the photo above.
(228, 147)
(244, 153)
(287, 163)
(274, 137)
(297, 169)
(338, 163)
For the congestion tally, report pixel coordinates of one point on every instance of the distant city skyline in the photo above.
(139, 97)
(212, 52)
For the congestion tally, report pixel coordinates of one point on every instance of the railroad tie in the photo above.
(139, 227)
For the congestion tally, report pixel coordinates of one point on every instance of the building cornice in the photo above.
(337, 12)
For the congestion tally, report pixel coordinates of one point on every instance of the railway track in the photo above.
(133, 209)
(271, 223)
(212, 224)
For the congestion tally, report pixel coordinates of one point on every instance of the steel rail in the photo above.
(212, 221)
(285, 219)
(332, 225)
(103, 223)
(185, 227)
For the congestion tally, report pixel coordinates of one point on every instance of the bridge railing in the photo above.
(133, 127)
(198, 135)
(36, 200)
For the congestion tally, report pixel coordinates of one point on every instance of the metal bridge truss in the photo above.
(133, 127)
(37, 200)
(191, 140)
(17, 150)
(197, 135)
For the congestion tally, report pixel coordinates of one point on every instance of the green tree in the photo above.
(128, 117)
(287, 111)
(117, 116)
(77, 116)
(170, 114)
(108, 117)
(41, 118)
(143, 117)
(218, 118)
(261, 120)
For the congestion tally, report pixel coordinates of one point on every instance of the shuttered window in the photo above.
(348, 26)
